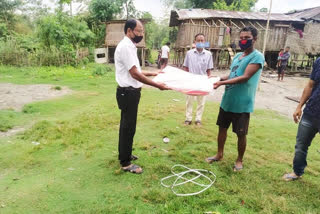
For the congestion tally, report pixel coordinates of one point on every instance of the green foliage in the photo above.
(240, 5)
(3, 30)
(7, 8)
(27, 51)
(104, 10)
(129, 10)
(64, 32)
(157, 34)
(101, 70)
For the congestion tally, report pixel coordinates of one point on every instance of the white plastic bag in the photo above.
(186, 82)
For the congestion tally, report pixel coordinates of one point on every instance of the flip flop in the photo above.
(289, 177)
(212, 159)
(133, 158)
(237, 169)
(133, 169)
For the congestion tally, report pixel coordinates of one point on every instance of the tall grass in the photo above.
(14, 54)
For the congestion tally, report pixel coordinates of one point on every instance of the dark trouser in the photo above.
(308, 128)
(128, 100)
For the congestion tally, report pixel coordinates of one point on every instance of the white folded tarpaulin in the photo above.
(186, 82)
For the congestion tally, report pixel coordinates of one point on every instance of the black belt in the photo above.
(130, 88)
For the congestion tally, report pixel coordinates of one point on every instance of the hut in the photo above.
(304, 39)
(115, 33)
(222, 32)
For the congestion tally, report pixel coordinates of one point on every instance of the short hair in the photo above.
(281, 49)
(131, 23)
(251, 29)
(199, 34)
(288, 47)
(168, 43)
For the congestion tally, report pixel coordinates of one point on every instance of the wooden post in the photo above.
(143, 58)
(107, 54)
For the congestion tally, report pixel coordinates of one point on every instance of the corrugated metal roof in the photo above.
(307, 14)
(209, 13)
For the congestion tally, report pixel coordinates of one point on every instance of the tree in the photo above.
(7, 9)
(104, 10)
(237, 5)
(63, 31)
(130, 10)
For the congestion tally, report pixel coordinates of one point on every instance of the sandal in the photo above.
(133, 158)
(290, 177)
(133, 169)
(212, 159)
(237, 169)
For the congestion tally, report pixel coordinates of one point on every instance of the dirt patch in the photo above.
(12, 132)
(14, 96)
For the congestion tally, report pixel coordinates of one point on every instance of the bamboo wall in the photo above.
(217, 36)
(309, 44)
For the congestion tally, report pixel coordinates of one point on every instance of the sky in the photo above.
(157, 8)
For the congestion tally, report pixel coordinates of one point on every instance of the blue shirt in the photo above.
(313, 105)
(239, 98)
(285, 58)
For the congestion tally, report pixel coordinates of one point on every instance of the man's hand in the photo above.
(297, 114)
(217, 84)
(163, 86)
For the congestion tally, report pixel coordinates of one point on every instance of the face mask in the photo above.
(136, 38)
(200, 45)
(245, 44)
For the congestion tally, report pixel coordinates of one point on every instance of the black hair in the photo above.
(281, 49)
(168, 43)
(251, 29)
(131, 23)
(199, 34)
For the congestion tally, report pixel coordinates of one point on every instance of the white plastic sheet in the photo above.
(186, 82)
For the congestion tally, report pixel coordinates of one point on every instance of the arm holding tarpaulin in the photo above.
(186, 82)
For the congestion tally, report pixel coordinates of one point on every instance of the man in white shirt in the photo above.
(130, 80)
(197, 61)
(165, 53)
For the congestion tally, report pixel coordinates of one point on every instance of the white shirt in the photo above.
(125, 57)
(165, 51)
(198, 62)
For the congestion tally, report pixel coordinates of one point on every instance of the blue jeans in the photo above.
(308, 128)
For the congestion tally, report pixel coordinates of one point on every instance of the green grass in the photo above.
(75, 167)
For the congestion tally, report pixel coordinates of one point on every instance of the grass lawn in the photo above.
(75, 167)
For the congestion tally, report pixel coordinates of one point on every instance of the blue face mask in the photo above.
(200, 45)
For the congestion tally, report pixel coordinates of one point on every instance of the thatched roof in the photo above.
(184, 14)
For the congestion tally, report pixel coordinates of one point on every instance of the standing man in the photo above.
(165, 54)
(239, 96)
(129, 78)
(284, 62)
(198, 61)
(309, 125)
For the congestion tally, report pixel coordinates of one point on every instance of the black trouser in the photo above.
(128, 100)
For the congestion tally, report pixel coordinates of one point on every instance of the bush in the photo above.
(63, 31)
(101, 70)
